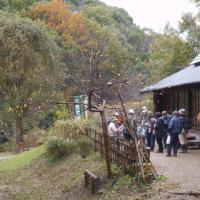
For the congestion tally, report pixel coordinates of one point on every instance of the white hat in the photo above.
(131, 111)
(182, 111)
(116, 114)
(144, 108)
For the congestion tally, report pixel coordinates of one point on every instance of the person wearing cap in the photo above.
(116, 114)
(144, 108)
(113, 130)
(174, 129)
(132, 118)
(184, 132)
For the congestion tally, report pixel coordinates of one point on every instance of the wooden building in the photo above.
(179, 90)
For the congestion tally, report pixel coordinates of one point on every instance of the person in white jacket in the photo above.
(113, 131)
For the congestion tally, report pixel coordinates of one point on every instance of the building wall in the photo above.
(187, 97)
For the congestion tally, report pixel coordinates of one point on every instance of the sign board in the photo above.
(79, 106)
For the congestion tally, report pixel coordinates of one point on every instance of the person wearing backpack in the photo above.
(184, 131)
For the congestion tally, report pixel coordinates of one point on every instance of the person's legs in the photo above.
(185, 141)
(175, 148)
(186, 148)
(169, 149)
(146, 138)
(182, 147)
(164, 139)
(153, 138)
(149, 138)
(160, 145)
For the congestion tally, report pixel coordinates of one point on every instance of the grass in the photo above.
(161, 178)
(20, 160)
(32, 177)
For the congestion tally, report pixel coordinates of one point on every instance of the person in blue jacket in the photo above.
(174, 129)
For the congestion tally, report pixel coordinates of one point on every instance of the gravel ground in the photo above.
(182, 172)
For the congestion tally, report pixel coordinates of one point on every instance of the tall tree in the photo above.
(168, 53)
(28, 55)
(190, 28)
(91, 50)
(15, 5)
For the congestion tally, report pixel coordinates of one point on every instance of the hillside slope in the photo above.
(40, 179)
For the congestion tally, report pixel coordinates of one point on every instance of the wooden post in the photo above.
(118, 149)
(101, 146)
(95, 140)
(93, 180)
(86, 179)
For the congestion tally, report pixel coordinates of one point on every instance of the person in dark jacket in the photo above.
(159, 133)
(174, 130)
(184, 131)
(155, 133)
(166, 118)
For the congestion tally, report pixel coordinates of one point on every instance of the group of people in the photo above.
(169, 131)
(118, 127)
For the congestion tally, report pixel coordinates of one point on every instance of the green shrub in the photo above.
(58, 148)
(72, 129)
(84, 146)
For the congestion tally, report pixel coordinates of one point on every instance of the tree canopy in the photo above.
(168, 54)
(27, 56)
(86, 40)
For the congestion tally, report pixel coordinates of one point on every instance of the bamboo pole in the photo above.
(133, 135)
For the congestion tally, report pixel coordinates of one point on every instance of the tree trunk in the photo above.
(19, 129)
(106, 144)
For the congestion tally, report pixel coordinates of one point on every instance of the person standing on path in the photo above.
(132, 118)
(166, 118)
(149, 129)
(174, 130)
(161, 131)
(184, 132)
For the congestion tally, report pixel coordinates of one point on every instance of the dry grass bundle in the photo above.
(71, 129)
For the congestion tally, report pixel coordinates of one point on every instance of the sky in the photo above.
(155, 14)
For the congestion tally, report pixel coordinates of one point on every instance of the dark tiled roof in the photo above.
(189, 75)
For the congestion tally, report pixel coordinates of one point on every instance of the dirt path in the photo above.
(5, 156)
(183, 171)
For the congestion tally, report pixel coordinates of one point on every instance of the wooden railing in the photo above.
(122, 153)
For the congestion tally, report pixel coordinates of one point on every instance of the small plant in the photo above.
(124, 182)
(84, 146)
(58, 148)
(115, 169)
(161, 178)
